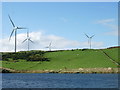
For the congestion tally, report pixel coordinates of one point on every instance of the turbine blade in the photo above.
(11, 34)
(27, 34)
(92, 36)
(11, 21)
(87, 36)
(50, 44)
(24, 40)
(21, 28)
(31, 41)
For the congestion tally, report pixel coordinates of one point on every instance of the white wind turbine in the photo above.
(14, 30)
(89, 39)
(49, 46)
(28, 39)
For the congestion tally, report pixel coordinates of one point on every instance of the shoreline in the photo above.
(80, 70)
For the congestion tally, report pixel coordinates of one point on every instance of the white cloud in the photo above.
(42, 40)
(105, 21)
(109, 23)
(113, 33)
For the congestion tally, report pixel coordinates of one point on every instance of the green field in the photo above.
(67, 59)
(113, 53)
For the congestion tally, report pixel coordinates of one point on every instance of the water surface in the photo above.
(36, 80)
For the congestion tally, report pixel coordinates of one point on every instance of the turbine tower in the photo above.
(28, 39)
(89, 39)
(14, 30)
(49, 46)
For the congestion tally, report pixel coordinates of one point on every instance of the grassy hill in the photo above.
(113, 53)
(66, 59)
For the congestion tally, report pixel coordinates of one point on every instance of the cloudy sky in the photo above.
(62, 23)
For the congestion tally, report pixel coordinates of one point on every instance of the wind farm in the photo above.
(47, 25)
(28, 38)
(59, 44)
(71, 61)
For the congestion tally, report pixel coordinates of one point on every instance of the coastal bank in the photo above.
(80, 70)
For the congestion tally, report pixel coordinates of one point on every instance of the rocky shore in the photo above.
(80, 70)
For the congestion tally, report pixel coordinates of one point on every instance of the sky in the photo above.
(62, 23)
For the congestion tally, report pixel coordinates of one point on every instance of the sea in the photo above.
(54, 80)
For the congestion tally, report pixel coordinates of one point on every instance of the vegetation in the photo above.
(25, 55)
(113, 53)
(57, 60)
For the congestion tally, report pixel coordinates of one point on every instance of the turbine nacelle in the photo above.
(15, 28)
(28, 38)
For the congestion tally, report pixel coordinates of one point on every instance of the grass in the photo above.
(113, 53)
(68, 59)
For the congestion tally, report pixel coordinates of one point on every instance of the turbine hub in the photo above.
(15, 27)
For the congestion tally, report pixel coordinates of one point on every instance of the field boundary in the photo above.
(110, 58)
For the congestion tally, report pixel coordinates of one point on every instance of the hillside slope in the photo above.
(67, 59)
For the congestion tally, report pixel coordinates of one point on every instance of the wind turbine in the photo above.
(89, 39)
(14, 30)
(49, 46)
(28, 39)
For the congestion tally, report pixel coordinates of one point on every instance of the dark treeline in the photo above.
(33, 55)
(25, 55)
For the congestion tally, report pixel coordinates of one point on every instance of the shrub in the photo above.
(37, 57)
(25, 55)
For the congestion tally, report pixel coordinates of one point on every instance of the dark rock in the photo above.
(5, 71)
